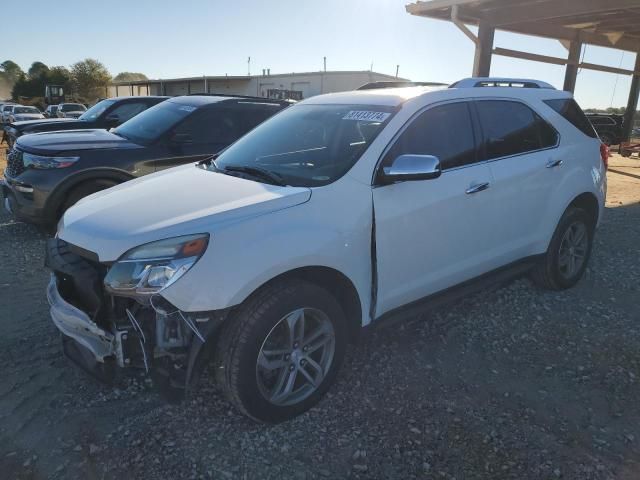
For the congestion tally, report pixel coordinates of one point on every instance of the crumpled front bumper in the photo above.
(76, 324)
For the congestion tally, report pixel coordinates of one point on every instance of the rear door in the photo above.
(433, 234)
(526, 165)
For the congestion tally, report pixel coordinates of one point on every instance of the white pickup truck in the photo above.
(330, 216)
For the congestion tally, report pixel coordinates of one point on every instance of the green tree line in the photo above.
(84, 81)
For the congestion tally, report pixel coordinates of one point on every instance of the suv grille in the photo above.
(15, 165)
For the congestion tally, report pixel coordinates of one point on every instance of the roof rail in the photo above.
(476, 82)
(241, 97)
(398, 84)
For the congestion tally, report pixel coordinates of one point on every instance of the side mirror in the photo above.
(412, 167)
(113, 118)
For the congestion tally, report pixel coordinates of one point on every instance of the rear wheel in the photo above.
(566, 259)
(282, 350)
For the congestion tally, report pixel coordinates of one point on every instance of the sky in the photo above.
(165, 39)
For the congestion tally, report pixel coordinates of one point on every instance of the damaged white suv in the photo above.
(270, 257)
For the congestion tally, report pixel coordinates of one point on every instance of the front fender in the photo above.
(60, 192)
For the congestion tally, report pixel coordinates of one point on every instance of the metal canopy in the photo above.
(605, 23)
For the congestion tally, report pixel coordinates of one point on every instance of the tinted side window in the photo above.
(571, 111)
(512, 128)
(445, 131)
(128, 110)
(223, 125)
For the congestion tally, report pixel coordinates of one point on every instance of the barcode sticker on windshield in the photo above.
(187, 108)
(366, 116)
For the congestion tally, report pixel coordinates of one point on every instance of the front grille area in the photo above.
(15, 164)
(80, 279)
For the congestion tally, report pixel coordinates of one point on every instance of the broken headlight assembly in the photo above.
(147, 269)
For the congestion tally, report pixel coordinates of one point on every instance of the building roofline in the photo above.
(249, 77)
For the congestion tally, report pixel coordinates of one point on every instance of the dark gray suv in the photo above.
(49, 172)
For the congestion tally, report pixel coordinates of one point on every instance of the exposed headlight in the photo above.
(37, 161)
(149, 268)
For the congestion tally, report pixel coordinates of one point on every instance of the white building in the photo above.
(288, 85)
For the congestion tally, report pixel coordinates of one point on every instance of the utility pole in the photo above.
(249, 67)
(397, 70)
(325, 63)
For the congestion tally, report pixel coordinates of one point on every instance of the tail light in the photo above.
(605, 154)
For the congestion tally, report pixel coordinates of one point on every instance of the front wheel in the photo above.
(282, 350)
(568, 254)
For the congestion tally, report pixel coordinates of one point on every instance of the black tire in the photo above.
(547, 273)
(241, 341)
(84, 190)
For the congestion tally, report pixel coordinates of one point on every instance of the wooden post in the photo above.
(484, 48)
(571, 70)
(632, 103)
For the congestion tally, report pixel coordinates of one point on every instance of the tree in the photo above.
(11, 71)
(59, 76)
(89, 78)
(37, 70)
(129, 77)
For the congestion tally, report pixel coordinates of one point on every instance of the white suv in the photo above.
(330, 216)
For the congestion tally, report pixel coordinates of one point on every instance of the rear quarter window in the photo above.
(571, 111)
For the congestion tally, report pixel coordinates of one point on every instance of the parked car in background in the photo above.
(608, 127)
(48, 172)
(2, 104)
(105, 114)
(70, 110)
(329, 216)
(7, 108)
(20, 114)
(51, 111)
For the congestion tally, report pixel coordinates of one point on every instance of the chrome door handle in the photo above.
(554, 163)
(477, 188)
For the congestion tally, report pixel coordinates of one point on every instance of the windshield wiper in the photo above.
(271, 177)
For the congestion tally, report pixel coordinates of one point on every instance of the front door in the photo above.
(433, 234)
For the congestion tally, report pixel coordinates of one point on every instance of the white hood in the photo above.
(178, 201)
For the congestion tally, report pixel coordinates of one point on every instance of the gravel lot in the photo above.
(511, 383)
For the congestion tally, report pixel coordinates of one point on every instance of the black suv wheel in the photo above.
(566, 259)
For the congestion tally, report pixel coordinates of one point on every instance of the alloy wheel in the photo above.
(295, 356)
(573, 249)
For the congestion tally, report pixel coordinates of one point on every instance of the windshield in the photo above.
(26, 110)
(148, 126)
(308, 145)
(97, 110)
(72, 107)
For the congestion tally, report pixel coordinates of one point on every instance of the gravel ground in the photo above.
(512, 383)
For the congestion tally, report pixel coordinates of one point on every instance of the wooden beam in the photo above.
(571, 71)
(419, 7)
(506, 52)
(506, 15)
(632, 102)
(484, 50)
(603, 68)
(461, 26)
